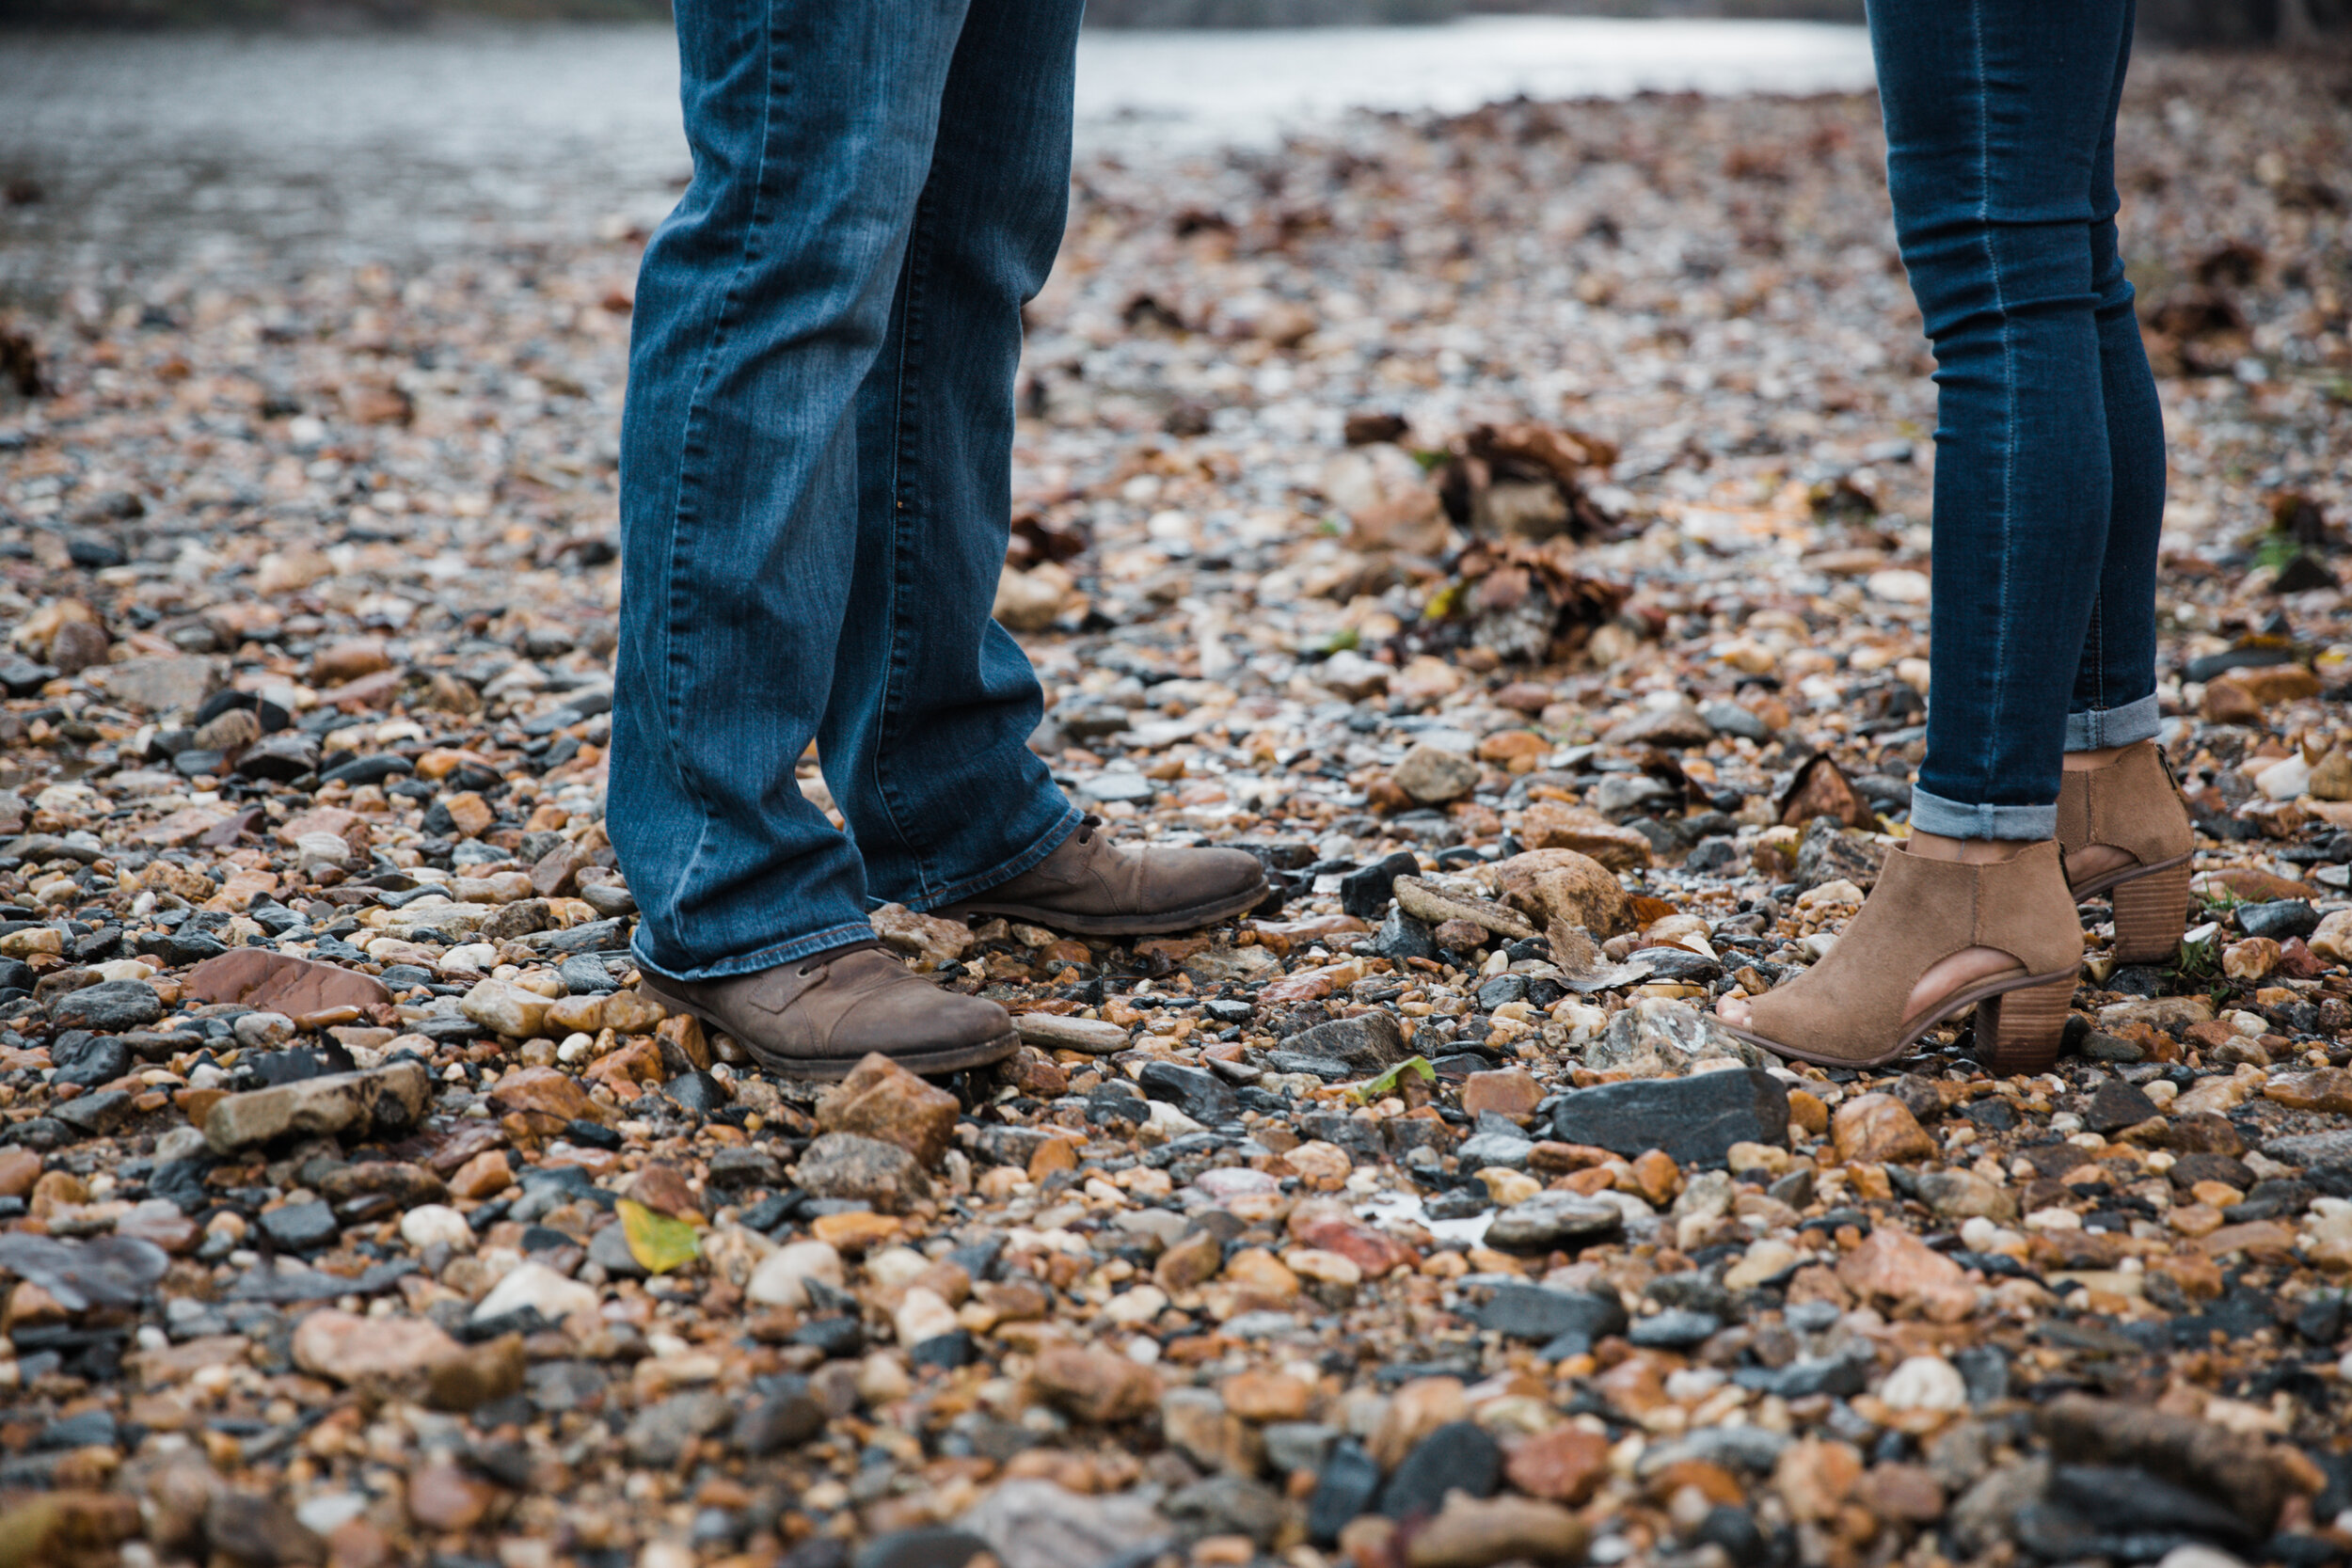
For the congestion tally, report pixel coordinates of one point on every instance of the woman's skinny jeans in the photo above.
(2049, 468)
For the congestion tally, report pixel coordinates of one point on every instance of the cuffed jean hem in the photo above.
(766, 958)
(2102, 727)
(1029, 860)
(1932, 813)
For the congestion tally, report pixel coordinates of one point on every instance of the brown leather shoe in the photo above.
(818, 1016)
(2132, 805)
(1096, 888)
(1850, 1009)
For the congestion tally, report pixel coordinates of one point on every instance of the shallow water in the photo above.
(161, 154)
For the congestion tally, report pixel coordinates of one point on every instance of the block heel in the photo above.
(2133, 804)
(2019, 1031)
(2150, 913)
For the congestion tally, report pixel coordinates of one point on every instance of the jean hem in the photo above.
(1027, 860)
(765, 958)
(2095, 729)
(1932, 813)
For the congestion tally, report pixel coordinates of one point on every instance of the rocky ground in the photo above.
(1511, 529)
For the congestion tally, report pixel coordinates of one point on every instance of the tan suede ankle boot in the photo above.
(1851, 1009)
(2132, 805)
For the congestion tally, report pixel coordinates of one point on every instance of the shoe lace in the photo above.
(1086, 829)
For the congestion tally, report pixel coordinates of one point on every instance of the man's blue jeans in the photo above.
(816, 473)
(2049, 467)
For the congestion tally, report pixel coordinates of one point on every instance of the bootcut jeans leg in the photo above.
(762, 605)
(2000, 135)
(931, 765)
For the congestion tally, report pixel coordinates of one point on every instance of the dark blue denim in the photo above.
(2049, 467)
(816, 473)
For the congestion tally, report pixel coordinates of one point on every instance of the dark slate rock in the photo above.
(1992, 1115)
(596, 936)
(1365, 893)
(1366, 1044)
(2279, 920)
(590, 1135)
(1840, 1376)
(301, 1226)
(280, 758)
(1551, 1219)
(292, 1287)
(787, 1418)
(194, 947)
(91, 1429)
(525, 1320)
(555, 1387)
(109, 1006)
(835, 1337)
(1676, 1328)
(953, 1349)
(1226, 1505)
(95, 1114)
(2315, 1151)
(1359, 1136)
(367, 771)
(2189, 1169)
(931, 1546)
(732, 1169)
(1402, 937)
(41, 1134)
(1203, 1096)
(22, 677)
(1694, 1119)
(1501, 989)
(1329, 1068)
(1461, 1203)
(2114, 1105)
(88, 1059)
(585, 974)
(1460, 1456)
(1539, 1312)
(660, 1433)
(2125, 1500)
(1345, 1489)
(1735, 1530)
(609, 1249)
(696, 1092)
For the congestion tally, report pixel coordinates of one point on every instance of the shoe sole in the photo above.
(827, 1070)
(2013, 1052)
(1160, 924)
(2151, 908)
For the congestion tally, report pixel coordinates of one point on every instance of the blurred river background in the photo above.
(133, 157)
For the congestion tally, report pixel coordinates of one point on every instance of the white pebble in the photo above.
(428, 1223)
(1924, 1383)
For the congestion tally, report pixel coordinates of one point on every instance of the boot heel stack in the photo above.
(2019, 1031)
(2150, 913)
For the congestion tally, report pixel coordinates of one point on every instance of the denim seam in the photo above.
(689, 467)
(1034, 855)
(2008, 366)
(902, 458)
(2099, 644)
(769, 957)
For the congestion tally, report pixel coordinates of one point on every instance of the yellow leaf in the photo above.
(658, 1242)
